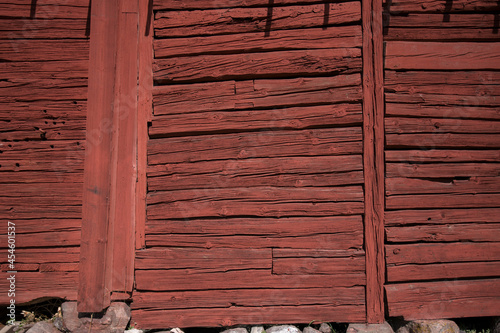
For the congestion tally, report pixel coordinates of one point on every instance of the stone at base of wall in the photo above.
(430, 326)
(115, 320)
(370, 328)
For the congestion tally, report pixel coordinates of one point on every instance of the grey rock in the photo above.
(325, 328)
(133, 330)
(310, 329)
(370, 328)
(496, 325)
(432, 326)
(70, 316)
(8, 329)
(59, 324)
(283, 329)
(403, 329)
(43, 327)
(236, 330)
(119, 316)
(257, 329)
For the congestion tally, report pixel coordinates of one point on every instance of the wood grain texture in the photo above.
(252, 120)
(263, 201)
(443, 201)
(257, 65)
(284, 40)
(473, 185)
(171, 280)
(243, 20)
(287, 171)
(45, 9)
(442, 216)
(248, 315)
(35, 285)
(207, 4)
(434, 155)
(442, 253)
(442, 170)
(43, 28)
(442, 56)
(340, 141)
(426, 6)
(249, 297)
(204, 260)
(472, 232)
(231, 95)
(44, 50)
(444, 299)
(439, 271)
(442, 111)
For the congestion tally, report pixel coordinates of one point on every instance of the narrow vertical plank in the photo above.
(93, 290)
(373, 131)
(124, 153)
(145, 111)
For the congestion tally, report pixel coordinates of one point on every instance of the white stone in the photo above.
(283, 329)
(370, 328)
(257, 329)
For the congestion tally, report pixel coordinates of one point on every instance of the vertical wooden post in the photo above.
(110, 175)
(145, 105)
(373, 132)
(94, 288)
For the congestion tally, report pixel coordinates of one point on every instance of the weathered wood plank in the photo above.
(445, 100)
(263, 201)
(397, 6)
(442, 216)
(33, 285)
(426, 156)
(437, 125)
(442, 140)
(473, 185)
(286, 118)
(302, 262)
(241, 20)
(340, 141)
(25, 177)
(231, 95)
(45, 9)
(257, 65)
(45, 255)
(44, 50)
(288, 171)
(160, 280)
(331, 240)
(44, 225)
(42, 28)
(207, 4)
(442, 170)
(442, 34)
(296, 39)
(455, 20)
(50, 211)
(248, 297)
(60, 267)
(472, 232)
(471, 83)
(264, 194)
(204, 260)
(29, 71)
(405, 273)
(442, 56)
(438, 111)
(44, 239)
(43, 130)
(401, 254)
(443, 201)
(283, 227)
(444, 299)
(248, 315)
(20, 267)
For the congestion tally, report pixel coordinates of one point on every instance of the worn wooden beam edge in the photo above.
(373, 133)
(94, 291)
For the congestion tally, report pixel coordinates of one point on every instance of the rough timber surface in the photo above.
(255, 166)
(44, 54)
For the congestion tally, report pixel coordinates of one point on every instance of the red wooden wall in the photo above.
(252, 172)
(442, 130)
(255, 167)
(43, 83)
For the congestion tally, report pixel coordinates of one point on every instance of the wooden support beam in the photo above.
(110, 175)
(373, 134)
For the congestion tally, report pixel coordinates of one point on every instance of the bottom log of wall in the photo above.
(444, 299)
